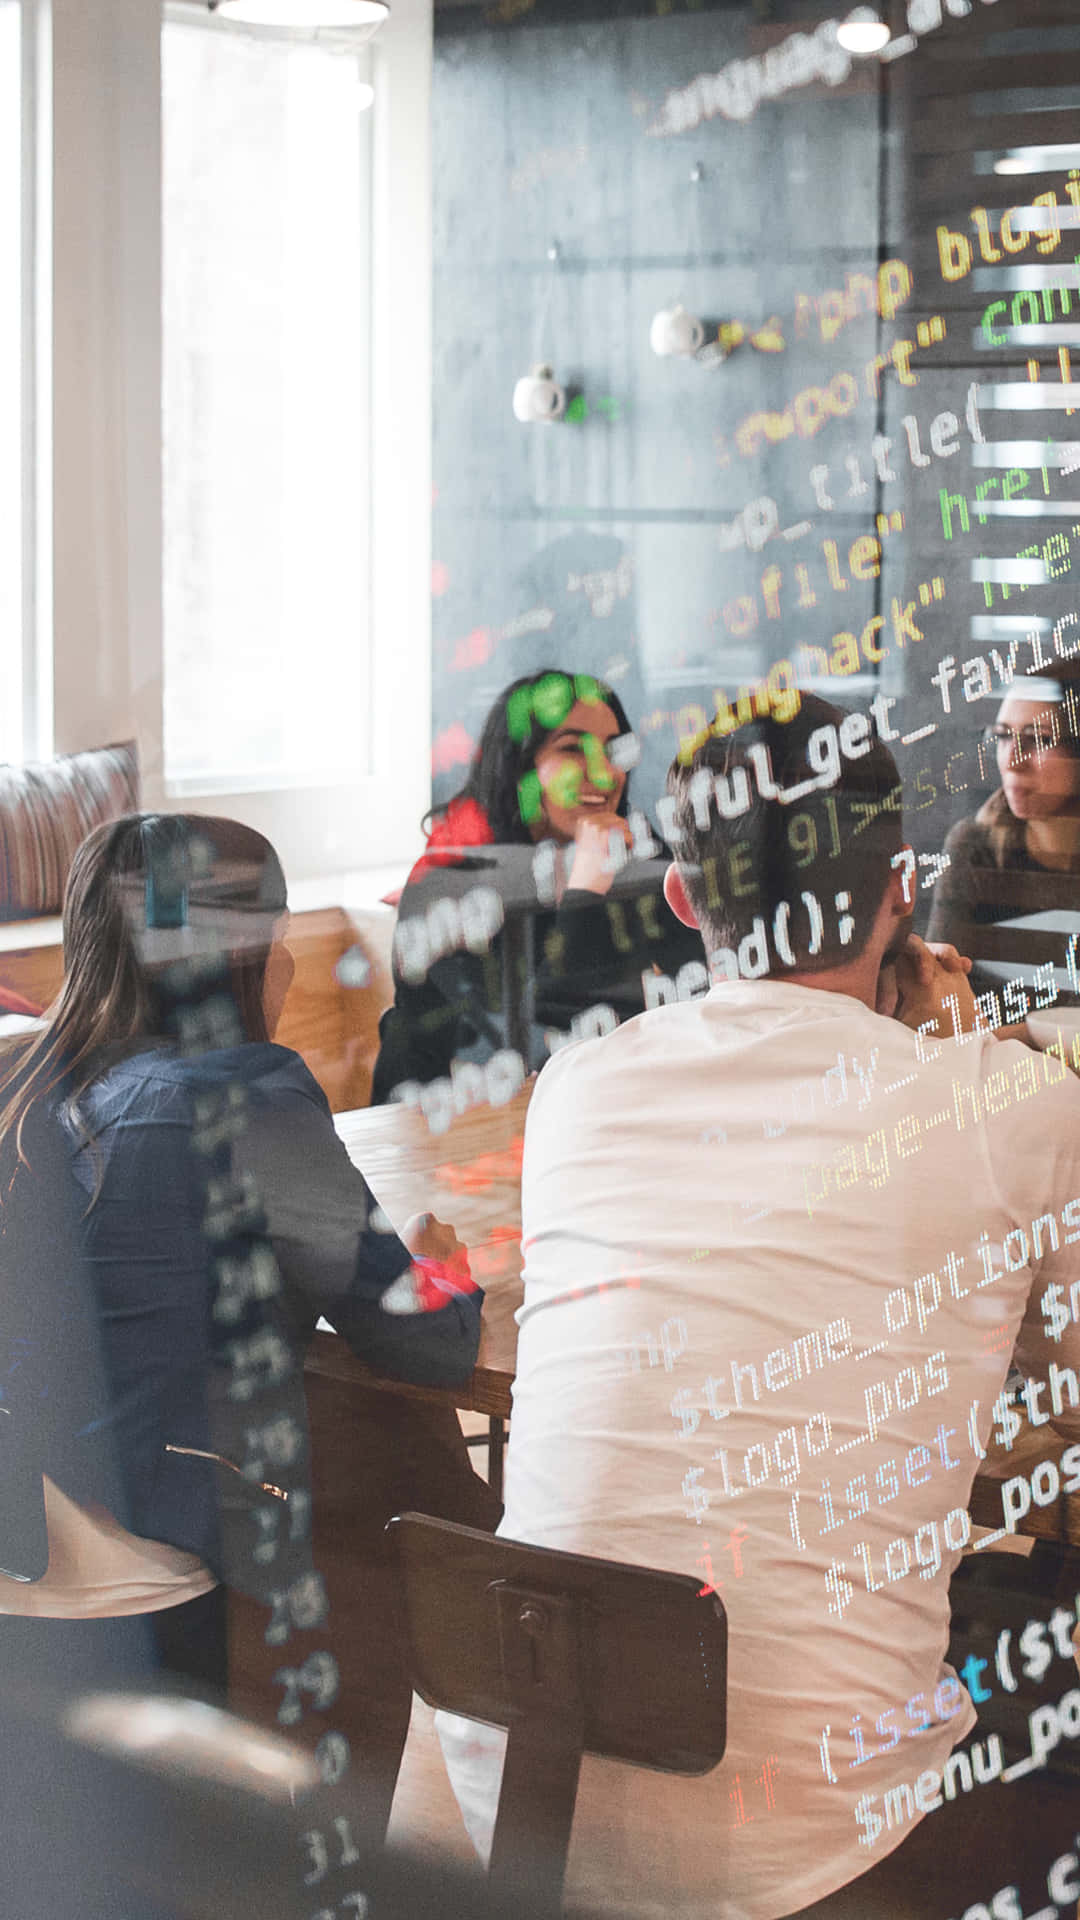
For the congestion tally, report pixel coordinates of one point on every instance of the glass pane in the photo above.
(11, 727)
(265, 294)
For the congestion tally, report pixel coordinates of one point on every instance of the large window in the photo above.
(266, 307)
(11, 519)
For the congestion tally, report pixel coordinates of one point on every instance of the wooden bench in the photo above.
(332, 1025)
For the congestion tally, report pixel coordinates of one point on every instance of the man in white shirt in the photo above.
(779, 1250)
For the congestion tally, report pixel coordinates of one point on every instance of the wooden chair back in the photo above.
(571, 1655)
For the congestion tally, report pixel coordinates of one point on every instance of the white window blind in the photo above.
(266, 410)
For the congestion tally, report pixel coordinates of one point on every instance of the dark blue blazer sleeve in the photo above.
(333, 1261)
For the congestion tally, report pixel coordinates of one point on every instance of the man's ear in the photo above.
(675, 895)
(904, 881)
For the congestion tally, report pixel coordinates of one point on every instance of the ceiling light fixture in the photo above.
(864, 31)
(368, 15)
(1014, 163)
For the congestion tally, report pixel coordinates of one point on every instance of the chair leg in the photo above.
(496, 1444)
(536, 1813)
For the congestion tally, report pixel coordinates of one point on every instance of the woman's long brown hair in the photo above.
(125, 876)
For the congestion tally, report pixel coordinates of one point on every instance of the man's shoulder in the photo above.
(1019, 1103)
(1012, 1073)
(645, 1039)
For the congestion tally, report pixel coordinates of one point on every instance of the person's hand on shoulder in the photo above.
(920, 984)
(597, 855)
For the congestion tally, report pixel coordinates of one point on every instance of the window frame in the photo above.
(182, 787)
(31, 731)
(36, 297)
(100, 120)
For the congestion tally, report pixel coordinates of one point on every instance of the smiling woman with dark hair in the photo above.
(551, 772)
(536, 717)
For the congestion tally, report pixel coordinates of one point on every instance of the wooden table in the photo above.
(333, 1025)
(469, 1176)
(1060, 1521)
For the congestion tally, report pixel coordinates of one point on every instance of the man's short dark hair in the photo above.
(794, 882)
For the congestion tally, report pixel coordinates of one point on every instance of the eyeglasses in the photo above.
(1035, 740)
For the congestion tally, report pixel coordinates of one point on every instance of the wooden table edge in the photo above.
(487, 1390)
(1059, 1521)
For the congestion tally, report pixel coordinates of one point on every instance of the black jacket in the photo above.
(590, 953)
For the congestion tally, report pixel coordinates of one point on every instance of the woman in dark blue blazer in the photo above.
(176, 1211)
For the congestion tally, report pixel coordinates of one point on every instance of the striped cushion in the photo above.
(47, 810)
(14, 1003)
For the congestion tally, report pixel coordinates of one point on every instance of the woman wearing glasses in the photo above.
(1029, 827)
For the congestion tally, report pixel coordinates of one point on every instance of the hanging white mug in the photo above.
(674, 331)
(538, 397)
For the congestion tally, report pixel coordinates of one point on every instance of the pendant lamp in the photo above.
(367, 15)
